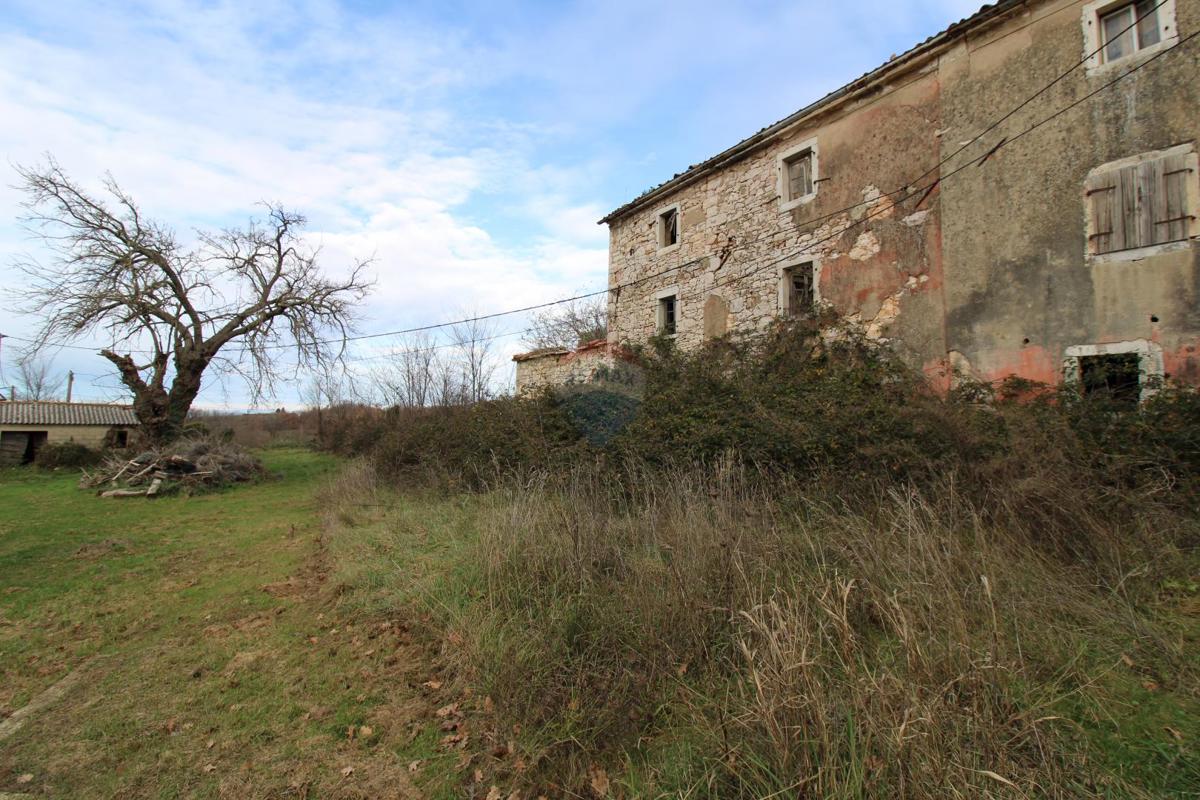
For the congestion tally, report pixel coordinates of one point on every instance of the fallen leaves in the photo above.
(598, 779)
(359, 731)
(454, 740)
(26, 778)
(347, 771)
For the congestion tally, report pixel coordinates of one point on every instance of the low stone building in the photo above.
(1057, 244)
(27, 425)
(558, 366)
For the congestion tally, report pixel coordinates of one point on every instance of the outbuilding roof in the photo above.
(752, 143)
(49, 412)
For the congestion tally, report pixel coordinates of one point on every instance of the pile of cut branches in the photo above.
(187, 465)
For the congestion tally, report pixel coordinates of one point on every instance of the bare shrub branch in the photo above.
(570, 324)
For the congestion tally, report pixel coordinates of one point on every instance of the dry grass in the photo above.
(716, 634)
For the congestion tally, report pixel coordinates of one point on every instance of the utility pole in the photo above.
(70, 384)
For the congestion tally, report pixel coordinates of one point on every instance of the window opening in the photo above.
(798, 175)
(1123, 38)
(800, 288)
(1116, 377)
(668, 227)
(666, 316)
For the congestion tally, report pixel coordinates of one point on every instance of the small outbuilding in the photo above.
(27, 425)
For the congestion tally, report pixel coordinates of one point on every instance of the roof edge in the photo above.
(929, 47)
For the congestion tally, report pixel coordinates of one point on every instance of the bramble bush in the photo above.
(791, 569)
(66, 454)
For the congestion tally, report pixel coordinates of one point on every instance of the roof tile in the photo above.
(46, 412)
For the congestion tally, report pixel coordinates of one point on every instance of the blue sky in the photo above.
(469, 147)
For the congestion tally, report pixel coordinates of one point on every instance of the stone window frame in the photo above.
(1150, 363)
(658, 227)
(1138, 253)
(784, 287)
(659, 318)
(781, 178)
(1168, 35)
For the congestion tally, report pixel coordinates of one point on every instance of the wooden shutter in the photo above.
(1172, 215)
(1149, 195)
(1129, 220)
(1103, 195)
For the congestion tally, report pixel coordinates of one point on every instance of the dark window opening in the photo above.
(801, 290)
(36, 440)
(20, 447)
(121, 439)
(1116, 377)
(666, 316)
(668, 227)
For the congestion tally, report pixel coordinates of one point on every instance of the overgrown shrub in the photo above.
(834, 409)
(66, 454)
(792, 570)
(472, 446)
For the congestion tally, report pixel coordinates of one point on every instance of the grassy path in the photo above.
(215, 660)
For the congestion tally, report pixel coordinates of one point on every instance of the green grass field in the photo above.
(319, 635)
(213, 658)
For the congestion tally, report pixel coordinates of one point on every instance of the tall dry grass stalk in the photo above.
(911, 646)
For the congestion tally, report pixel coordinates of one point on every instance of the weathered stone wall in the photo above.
(989, 275)
(558, 367)
(88, 435)
(735, 240)
(1020, 287)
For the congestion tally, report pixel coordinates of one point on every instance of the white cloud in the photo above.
(470, 157)
(183, 108)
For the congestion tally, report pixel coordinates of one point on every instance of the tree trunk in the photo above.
(184, 389)
(162, 413)
(149, 406)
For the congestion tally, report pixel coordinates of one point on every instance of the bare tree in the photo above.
(410, 378)
(569, 324)
(474, 357)
(171, 312)
(36, 380)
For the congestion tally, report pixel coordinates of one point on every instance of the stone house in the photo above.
(27, 425)
(1068, 253)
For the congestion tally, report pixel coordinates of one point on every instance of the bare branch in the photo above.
(119, 274)
(569, 325)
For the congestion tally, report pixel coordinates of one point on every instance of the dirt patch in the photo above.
(244, 661)
(105, 547)
(292, 587)
(309, 580)
(251, 623)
